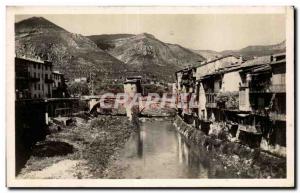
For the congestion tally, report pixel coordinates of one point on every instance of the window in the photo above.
(34, 75)
(39, 86)
(46, 76)
(34, 66)
(39, 66)
(34, 86)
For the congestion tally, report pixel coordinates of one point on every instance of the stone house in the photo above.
(248, 97)
(33, 78)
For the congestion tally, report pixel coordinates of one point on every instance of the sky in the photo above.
(195, 31)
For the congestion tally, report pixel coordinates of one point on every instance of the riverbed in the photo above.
(157, 150)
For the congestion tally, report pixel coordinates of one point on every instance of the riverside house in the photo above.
(245, 98)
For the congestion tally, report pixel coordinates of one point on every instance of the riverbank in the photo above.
(239, 160)
(80, 150)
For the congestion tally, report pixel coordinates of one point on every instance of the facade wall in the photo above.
(217, 84)
(179, 79)
(215, 65)
(231, 82)
(261, 97)
(35, 73)
(57, 79)
(40, 89)
(202, 112)
(130, 89)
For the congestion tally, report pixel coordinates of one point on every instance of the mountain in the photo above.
(144, 53)
(257, 50)
(208, 54)
(248, 52)
(73, 54)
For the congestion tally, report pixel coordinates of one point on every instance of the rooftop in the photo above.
(36, 60)
(133, 77)
(216, 59)
(257, 61)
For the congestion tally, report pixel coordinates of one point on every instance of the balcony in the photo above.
(273, 88)
(210, 100)
(249, 129)
(211, 105)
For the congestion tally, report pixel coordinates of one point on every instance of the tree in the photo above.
(79, 88)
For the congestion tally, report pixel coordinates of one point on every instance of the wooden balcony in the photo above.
(210, 100)
(274, 88)
(211, 105)
(249, 128)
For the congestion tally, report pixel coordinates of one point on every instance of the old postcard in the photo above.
(150, 97)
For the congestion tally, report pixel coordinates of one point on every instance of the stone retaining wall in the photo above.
(247, 162)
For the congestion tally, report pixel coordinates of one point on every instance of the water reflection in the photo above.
(157, 150)
(140, 138)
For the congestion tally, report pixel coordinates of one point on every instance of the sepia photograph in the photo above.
(150, 96)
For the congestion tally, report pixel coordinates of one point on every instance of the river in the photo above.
(157, 150)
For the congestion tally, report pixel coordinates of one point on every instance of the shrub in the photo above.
(229, 100)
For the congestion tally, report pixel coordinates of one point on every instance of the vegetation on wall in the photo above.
(228, 100)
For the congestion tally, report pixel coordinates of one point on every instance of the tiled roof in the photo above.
(31, 59)
(216, 59)
(257, 61)
(283, 61)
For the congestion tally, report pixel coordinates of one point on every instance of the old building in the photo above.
(59, 89)
(132, 86)
(214, 78)
(33, 78)
(246, 97)
(81, 79)
(263, 95)
(185, 87)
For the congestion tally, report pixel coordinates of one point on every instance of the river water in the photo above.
(157, 150)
